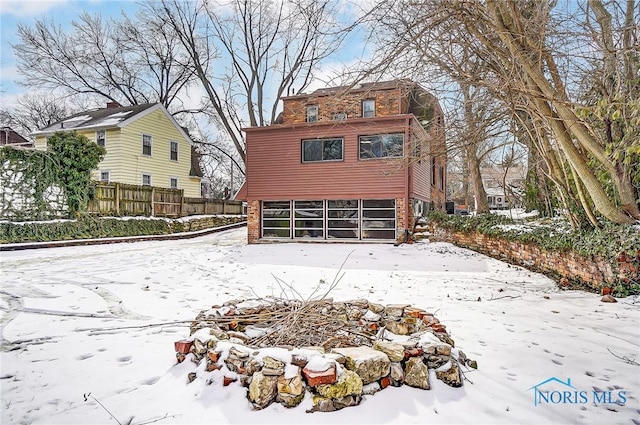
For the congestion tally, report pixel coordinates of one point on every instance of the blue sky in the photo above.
(14, 12)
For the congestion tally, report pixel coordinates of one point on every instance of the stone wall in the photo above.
(278, 350)
(209, 222)
(19, 200)
(564, 266)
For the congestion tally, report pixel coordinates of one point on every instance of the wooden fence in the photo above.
(132, 200)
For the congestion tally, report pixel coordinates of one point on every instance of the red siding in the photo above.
(420, 181)
(275, 170)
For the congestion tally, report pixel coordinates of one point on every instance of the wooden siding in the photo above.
(159, 164)
(124, 159)
(420, 177)
(275, 170)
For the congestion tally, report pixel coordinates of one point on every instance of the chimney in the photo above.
(113, 105)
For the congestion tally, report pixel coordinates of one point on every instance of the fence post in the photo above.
(182, 214)
(117, 200)
(153, 194)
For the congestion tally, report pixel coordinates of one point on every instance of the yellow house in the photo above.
(144, 144)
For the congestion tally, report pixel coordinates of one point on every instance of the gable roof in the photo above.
(108, 118)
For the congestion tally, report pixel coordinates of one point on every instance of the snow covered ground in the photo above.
(97, 320)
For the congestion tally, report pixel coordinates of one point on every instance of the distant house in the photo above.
(144, 144)
(10, 137)
(504, 186)
(346, 163)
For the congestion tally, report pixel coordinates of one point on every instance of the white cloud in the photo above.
(26, 8)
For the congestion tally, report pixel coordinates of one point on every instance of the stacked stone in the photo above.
(409, 343)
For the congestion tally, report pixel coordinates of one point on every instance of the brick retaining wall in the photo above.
(594, 273)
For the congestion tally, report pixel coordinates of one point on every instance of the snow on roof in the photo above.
(106, 117)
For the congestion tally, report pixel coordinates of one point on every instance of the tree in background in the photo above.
(246, 54)
(124, 61)
(528, 54)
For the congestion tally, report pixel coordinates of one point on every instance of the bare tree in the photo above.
(31, 112)
(247, 54)
(521, 48)
(122, 61)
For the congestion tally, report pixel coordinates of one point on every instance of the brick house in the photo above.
(346, 163)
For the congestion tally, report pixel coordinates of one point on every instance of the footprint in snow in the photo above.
(84, 356)
(557, 362)
(151, 381)
(124, 359)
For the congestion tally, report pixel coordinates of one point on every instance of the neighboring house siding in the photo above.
(133, 163)
(277, 172)
(124, 159)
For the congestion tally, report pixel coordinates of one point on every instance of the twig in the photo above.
(504, 296)
(625, 358)
(103, 406)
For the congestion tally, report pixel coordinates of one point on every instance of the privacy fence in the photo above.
(124, 199)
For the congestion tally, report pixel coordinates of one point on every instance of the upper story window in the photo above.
(312, 113)
(101, 138)
(381, 146)
(322, 150)
(174, 151)
(368, 108)
(340, 116)
(146, 144)
(441, 186)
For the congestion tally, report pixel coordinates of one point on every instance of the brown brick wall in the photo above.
(592, 272)
(387, 104)
(253, 221)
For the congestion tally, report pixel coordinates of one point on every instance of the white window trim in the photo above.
(108, 176)
(316, 115)
(374, 108)
(105, 137)
(177, 182)
(150, 146)
(177, 151)
(142, 179)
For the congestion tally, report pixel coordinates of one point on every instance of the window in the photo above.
(441, 186)
(312, 113)
(101, 138)
(381, 146)
(174, 151)
(343, 219)
(378, 219)
(146, 179)
(146, 145)
(309, 219)
(341, 116)
(368, 108)
(173, 182)
(276, 219)
(105, 176)
(322, 150)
